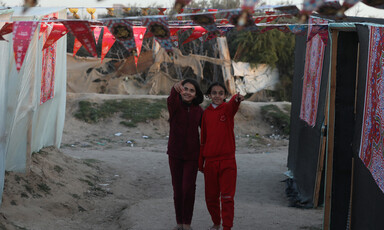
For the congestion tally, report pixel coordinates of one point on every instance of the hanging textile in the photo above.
(312, 75)
(108, 41)
(6, 29)
(158, 26)
(271, 18)
(58, 31)
(49, 37)
(139, 33)
(82, 31)
(180, 12)
(48, 70)
(298, 29)
(43, 28)
(198, 32)
(174, 37)
(161, 11)
(321, 30)
(372, 145)
(205, 20)
(222, 31)
(259, 19)
(224, 21)
(213, 10)
(76, 46)
(96, 32)
(23, 33)
(123, 32)
(284, 29)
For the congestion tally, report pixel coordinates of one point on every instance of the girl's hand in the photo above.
(179, 87)
(239, 97)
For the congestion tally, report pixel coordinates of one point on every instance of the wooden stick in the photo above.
(320, 161)
(226, 67)
(331, 134)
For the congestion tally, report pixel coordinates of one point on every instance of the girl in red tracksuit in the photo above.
(184, 146)
(217, 155)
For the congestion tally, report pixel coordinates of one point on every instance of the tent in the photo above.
(324, 158)
(26, 124)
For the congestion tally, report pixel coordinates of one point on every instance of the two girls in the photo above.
(217, 151)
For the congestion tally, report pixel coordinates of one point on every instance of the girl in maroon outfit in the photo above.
(184, 146)
(217, 156)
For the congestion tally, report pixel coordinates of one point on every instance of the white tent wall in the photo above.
(33, 126)
(4, 66)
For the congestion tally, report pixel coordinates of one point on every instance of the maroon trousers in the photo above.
(220, 185)
(184, 175)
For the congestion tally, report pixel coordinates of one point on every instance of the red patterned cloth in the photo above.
(312, 75)
(48, 71)
(372, 146)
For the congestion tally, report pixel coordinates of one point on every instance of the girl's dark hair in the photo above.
(199, 94)
(216, 84)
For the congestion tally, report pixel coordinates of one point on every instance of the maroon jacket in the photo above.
(184, 122)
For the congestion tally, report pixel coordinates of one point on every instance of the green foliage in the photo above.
(132, 110)
(274, 48)
(277, 117)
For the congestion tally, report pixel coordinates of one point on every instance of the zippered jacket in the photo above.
(184, 122)
(217, 135)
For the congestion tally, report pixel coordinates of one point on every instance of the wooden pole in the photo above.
(320, 161)
(331, 134)
(226, 68)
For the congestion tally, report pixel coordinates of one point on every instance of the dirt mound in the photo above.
(56, 186)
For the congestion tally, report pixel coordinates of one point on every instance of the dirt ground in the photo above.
(108, 176)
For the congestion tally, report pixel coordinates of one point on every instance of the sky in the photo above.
(359, 9)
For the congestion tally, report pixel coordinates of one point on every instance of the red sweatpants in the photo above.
(184, 175)
(220, 180)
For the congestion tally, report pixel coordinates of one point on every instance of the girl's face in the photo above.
(217, 95)
(189, 93)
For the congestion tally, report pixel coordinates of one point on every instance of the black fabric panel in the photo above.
(367, 199)
(304, 141)
(344, 127)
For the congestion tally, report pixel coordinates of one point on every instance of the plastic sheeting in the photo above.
(4, 50)
(26, 126)
(252, 80)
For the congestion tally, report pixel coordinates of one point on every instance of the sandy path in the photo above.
(141, 196)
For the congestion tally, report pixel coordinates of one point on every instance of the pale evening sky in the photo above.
(359, 10)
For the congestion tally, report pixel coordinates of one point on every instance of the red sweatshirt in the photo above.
(184, 122)
(217, 136)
